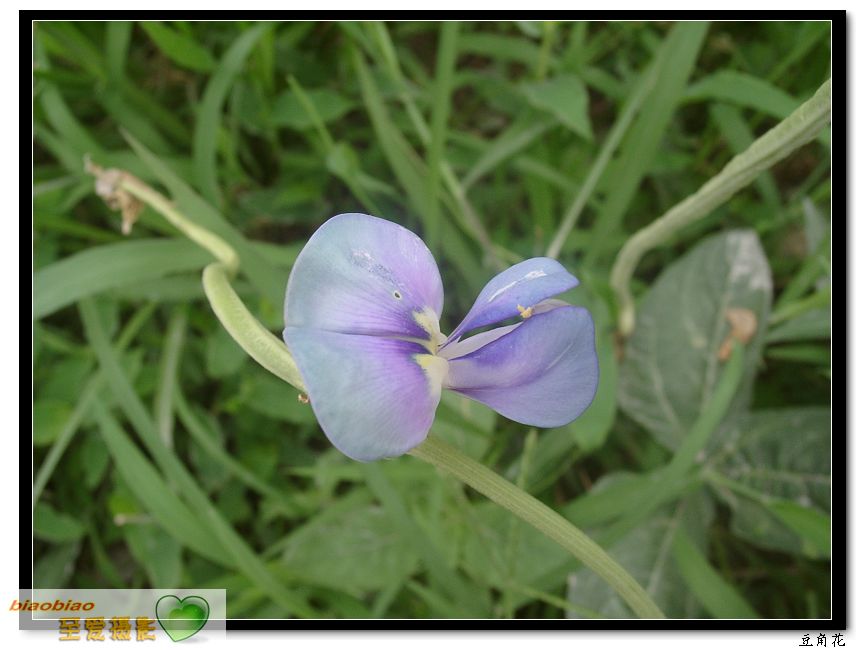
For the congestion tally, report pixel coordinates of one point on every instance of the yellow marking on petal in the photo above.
(525, 312)
(436, 369)
(429, 322)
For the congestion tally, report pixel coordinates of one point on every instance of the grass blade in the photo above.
(675, 62)
(207, 125)
(236, 549)
(95, 270)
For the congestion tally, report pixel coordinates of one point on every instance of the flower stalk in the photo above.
(126, 192)
(540, 516)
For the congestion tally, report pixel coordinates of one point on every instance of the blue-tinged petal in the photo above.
(359, 274)
(374, 397)
(544, 372)
(515, 290)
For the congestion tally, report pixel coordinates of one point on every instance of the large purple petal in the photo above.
(363, 275)
(544, 372)
(518, 288)
(374, 397)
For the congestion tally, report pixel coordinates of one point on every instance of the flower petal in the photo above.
(520, 287)
(374, 397)
(359, 274)
(542, 373)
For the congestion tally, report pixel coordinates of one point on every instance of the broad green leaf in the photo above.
(777, 456)
(565, 97)
(180, 48)
(647, 554)
(671, 362)
(356, 551)
(496, 558)
(99, 269)
(289, 111)
(53, 526)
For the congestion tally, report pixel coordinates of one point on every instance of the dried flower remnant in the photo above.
(743, 326)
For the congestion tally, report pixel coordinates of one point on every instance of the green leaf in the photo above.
(207, 125)
(646, 552)
(811, 325)
(271, 396)
(518, 136)
(49, 418)
(489, 558)
(500, 47)
(719, 598)
(669, 71)
(671, 362)
(354, 551)
(157, 552)
(53, 526)
(53, 569)
(748, 91)
(738, 135)
(777, 456)
(148, 486)
(289, 111)
(99, 269)
(813, 527)
(94, 457)
(744, 90)
(565, 97)
(180, 48)
(223, 356)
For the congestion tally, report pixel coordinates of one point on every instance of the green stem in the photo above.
(799, 128)
(540, 516)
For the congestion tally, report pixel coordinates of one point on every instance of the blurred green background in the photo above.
(164, 457)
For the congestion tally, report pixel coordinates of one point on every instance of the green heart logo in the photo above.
(182, 618)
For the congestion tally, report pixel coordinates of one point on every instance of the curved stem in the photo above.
(121, 189)
(799, 128)
(256, 340)
(540, 516)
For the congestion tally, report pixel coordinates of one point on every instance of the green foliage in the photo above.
(164, 457)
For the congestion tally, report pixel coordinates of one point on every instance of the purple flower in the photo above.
(362, 313)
